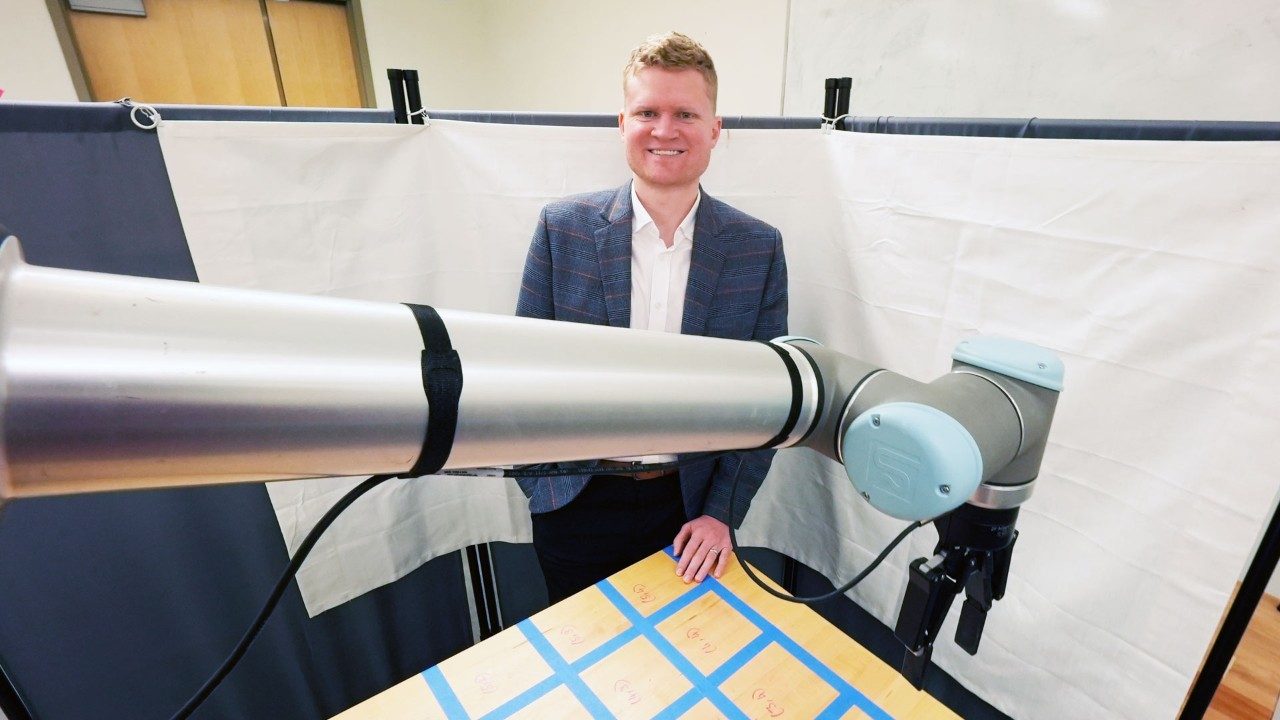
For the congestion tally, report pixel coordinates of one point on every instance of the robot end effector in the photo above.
(963, 450)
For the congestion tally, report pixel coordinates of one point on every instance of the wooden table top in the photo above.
(643, 644)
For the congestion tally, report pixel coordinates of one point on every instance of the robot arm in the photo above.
(114, 382)
(117, 382)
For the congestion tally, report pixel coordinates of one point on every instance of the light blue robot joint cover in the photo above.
(911, 461)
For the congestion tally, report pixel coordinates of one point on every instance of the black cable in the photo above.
(562, 469)
(276, 593)
(352, 495)
(733, 542)
(559, 470)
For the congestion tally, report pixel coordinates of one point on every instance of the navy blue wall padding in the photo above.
(736, 122)
(120, 605)
(515, 118)
(1198, 130)
(607, 120)
(274, 114)
(82, 188)
(521, 590)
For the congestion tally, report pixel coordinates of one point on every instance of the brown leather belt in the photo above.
(647, 475)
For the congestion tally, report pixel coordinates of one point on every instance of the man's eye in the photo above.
(646, 113)
(686, 116)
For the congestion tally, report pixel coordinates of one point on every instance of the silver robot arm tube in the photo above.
(114, 382)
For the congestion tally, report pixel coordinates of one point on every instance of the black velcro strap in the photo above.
(442, 381)
(797, 395)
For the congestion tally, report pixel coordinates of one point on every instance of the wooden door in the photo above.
(314, 52)
(221, 52)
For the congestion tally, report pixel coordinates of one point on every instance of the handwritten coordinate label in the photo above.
(486, 682)
(642, 593)
(770, 705)
(630, 694)
(570, 633)
(700, 642)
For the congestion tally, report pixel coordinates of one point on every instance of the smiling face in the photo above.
(669, 126)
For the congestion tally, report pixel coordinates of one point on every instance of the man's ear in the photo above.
(622, 119)
(715, 130)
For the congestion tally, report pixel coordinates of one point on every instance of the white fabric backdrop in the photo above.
(1150, 267)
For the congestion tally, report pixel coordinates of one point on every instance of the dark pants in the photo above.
(614, 522)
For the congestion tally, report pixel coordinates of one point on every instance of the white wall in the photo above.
(567, 55)
(442, 39)
(32, 66)
(1048, 58)
(1173, 59)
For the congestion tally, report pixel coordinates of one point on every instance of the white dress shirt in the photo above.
(659, 276)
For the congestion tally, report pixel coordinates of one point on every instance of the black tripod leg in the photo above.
(1252, 587)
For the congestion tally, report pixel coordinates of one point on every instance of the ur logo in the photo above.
(891, 471)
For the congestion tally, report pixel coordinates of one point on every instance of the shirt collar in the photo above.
(641, 217)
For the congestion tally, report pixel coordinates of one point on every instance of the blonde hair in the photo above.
(672, 51)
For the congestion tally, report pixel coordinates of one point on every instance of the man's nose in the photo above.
(664, 127)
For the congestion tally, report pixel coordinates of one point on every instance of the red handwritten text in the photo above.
(771, 706)
(642, 593)
(571, 632)
(486, 682)
(703, 644)
(627, 691)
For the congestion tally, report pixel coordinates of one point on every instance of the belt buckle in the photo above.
(627, 464)
(648, 474)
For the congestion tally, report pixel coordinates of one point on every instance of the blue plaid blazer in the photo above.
(579, 270)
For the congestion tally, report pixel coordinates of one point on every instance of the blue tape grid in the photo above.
(444, 694)
(703, 686)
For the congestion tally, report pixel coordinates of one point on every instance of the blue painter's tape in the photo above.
(848, 695)
(681, 706)
(649, 630)
(605, 650)
(703, 686)
(444, 694)
(838, 708)
(677, 604)
(569, 674)
(562, 671)
(740, 658)
(521, 701)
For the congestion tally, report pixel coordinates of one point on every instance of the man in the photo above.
(661, 255)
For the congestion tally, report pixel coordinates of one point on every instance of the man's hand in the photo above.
(703, 547)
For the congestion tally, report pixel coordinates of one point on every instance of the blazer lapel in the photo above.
(704, 269)
(613, 247)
